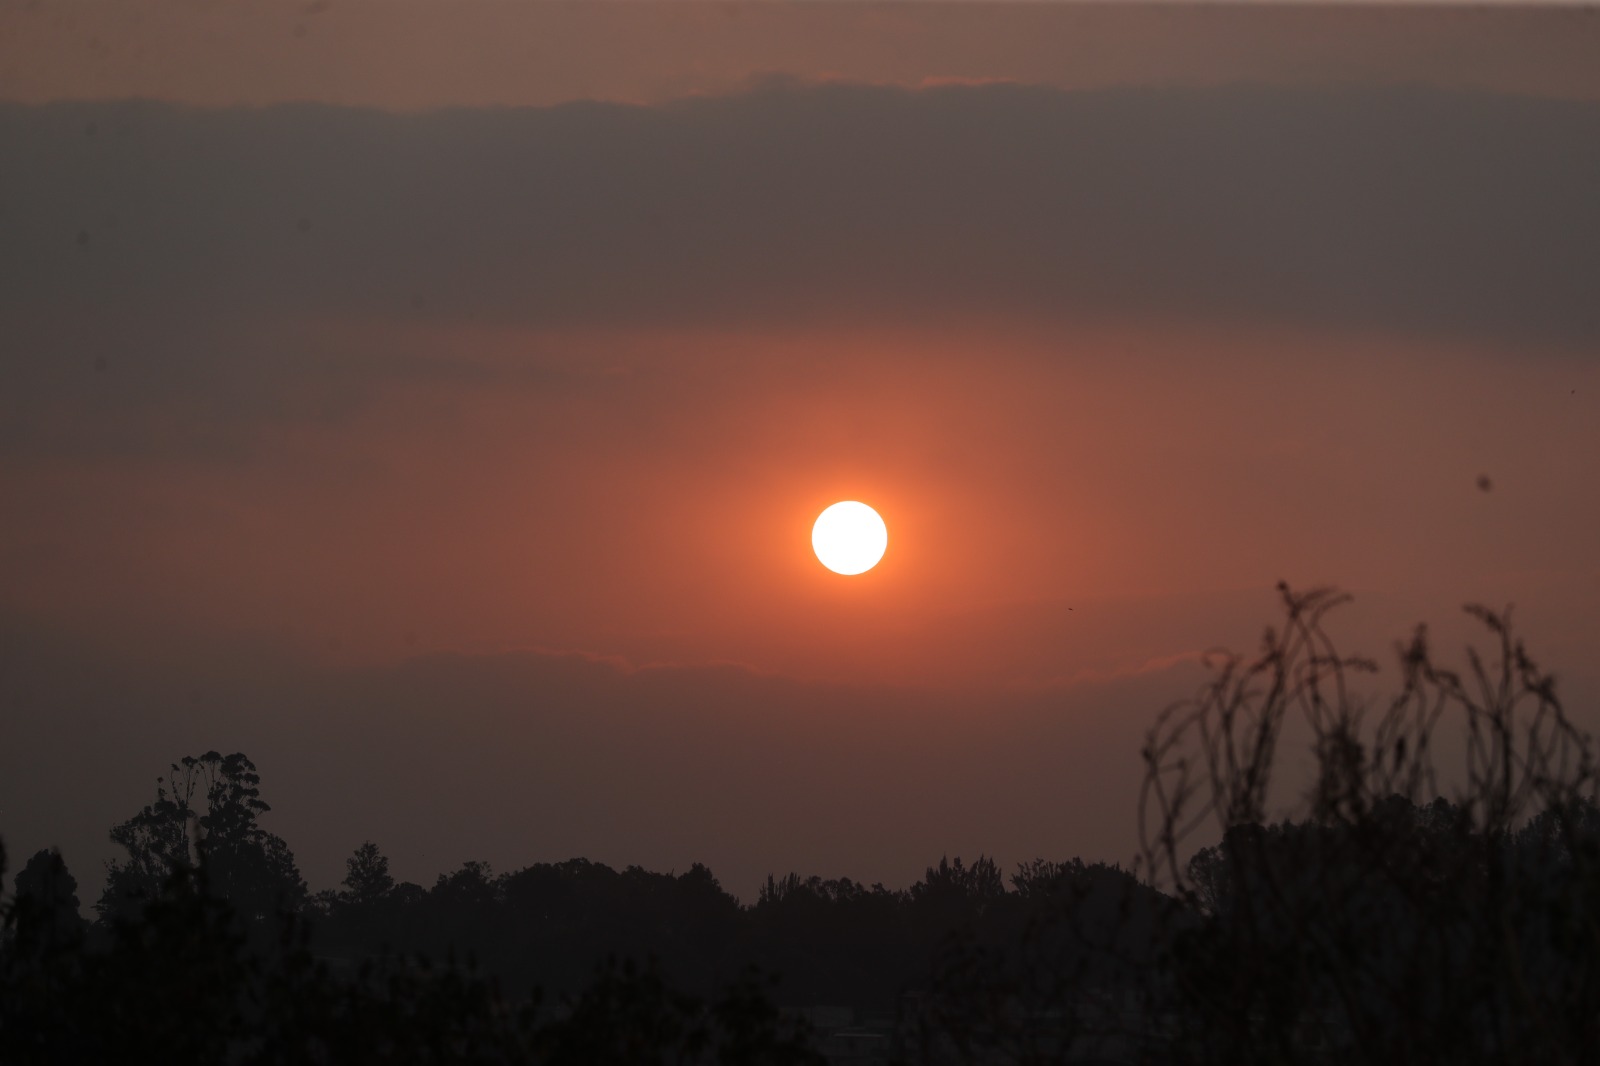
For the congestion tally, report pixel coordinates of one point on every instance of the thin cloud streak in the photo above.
(409, 56)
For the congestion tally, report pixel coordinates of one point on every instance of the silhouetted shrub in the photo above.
(1385, 924)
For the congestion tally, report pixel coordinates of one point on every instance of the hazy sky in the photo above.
(432, 401)
(422, 54)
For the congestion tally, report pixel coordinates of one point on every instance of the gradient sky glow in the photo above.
(433, 401)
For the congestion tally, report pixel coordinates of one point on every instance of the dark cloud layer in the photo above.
(1392, 208)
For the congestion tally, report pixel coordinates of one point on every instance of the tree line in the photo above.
(206, 937)
(548, 925)
(1379, 922)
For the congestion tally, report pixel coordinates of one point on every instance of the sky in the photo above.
(432, 401)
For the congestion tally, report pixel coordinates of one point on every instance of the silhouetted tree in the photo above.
(837, 940)
(45, 911)
(179, 981)
(951, 893)
(366, 879)
(206, 815)
(629, 1015)
(1046, 974)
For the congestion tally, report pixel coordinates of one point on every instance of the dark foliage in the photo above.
(1384, 924)
(206, 811)
(182, 982)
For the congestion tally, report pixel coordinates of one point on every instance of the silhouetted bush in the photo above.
(1386, 924)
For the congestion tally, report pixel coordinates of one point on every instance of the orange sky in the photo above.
(657, 504)
(387, 446)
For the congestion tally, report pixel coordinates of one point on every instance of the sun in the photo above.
(849, 538)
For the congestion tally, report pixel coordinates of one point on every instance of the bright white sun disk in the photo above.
(849, 538)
